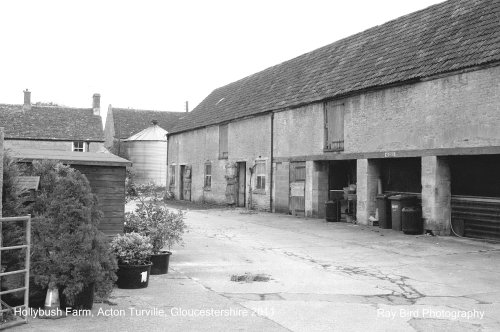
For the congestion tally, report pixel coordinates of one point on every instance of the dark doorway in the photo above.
(242, 179)
(341, 173)
(475, 175)
(402, 175)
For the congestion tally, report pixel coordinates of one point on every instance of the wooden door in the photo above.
(186, 185)
(181, 182)
(297, 188)
(242, 174)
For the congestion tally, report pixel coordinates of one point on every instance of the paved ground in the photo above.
(323, 277)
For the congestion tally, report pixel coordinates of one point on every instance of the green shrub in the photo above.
(153, 219)
(68, 250)
(131, 249)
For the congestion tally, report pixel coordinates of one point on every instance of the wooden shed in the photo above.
(147, 150)
(106, 174)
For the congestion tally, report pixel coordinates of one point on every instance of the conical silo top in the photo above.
(151, 133)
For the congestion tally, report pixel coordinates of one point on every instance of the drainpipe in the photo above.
(167, 185)
(271, 165)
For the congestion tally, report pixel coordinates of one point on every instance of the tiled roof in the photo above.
(128, 122)
(51, 123)
(452, 35)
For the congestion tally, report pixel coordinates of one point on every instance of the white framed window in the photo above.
(79, 146)
(260, 174)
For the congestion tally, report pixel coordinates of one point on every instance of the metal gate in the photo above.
(4, 308)
(476, 217)
(297, 188)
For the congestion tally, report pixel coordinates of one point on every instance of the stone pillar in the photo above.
(316, 188)
(320, 188)
(368, 173)
(281, 187)
(436, 195)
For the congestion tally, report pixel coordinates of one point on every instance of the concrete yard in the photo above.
(322, 277)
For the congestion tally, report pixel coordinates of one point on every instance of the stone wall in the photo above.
(248, 141)
(461, 110)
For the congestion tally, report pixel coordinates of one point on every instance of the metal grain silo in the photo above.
(147, 150)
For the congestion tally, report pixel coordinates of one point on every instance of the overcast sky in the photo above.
(158, 54)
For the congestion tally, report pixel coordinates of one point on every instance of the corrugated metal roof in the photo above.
(152, 133)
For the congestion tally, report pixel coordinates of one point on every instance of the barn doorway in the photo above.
(185, 182)
(475, 196)
(181, 182)
(341, 175)
(242, 179)
(297, 188)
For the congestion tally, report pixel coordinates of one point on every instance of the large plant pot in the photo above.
(133, 276)
(84, 300)
(160, 262)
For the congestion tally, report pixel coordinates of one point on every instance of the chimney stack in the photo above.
(96, 104)
(187, 106)
(27, 100)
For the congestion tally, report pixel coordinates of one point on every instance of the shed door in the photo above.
(242, 169)
(297, 188)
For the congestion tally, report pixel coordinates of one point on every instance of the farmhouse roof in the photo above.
(128, 122)
(446, 37)
(51, 123)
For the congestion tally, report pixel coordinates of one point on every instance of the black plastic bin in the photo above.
(412, 220)
(398, 202)
(332, 211)
(384, 211)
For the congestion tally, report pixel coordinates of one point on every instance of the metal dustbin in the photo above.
(412, 220)
(398, 202)
(384, 211)
(332, 209)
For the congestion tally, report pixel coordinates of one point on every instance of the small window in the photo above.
(79, 146)
(208, 176)
(260, 173)
(223, 142)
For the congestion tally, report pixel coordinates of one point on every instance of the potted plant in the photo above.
(133, 252)
(162, 226)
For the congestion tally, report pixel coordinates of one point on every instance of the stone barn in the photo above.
(410, 106)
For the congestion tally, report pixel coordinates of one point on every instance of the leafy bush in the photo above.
(153, 219)
(130, 187)
(68, 250)
(131, 249)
